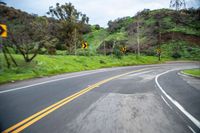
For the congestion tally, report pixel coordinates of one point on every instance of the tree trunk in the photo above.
(138, 39)
(6, 57)
(13, 60)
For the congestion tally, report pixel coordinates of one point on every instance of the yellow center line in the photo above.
(39, 115)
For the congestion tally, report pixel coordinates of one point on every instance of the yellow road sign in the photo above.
(84, 45)
(158, 50)
(3, 30)
(123, 49)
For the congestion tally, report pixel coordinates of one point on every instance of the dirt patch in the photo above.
(191, 39)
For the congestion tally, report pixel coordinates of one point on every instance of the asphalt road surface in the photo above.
(134, 99)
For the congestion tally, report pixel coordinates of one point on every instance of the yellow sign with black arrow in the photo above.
(158, 50)
(123, 49)
(84, 45)
(3, 30)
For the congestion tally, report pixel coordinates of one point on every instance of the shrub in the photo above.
(176, 55)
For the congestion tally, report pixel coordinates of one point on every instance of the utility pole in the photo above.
(75, 41)
(104, 47)
(159, 42)
(113, 47)
(138, 38)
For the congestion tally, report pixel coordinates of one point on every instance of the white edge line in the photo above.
(166, 102)
(102, 70)
(54, 80)
(181, 108)
(192, 130)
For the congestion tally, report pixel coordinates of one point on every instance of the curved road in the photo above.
(141, 99)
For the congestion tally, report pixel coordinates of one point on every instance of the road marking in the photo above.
(39, 115)
(178, 105)
(166, 102)
(49, 81)
(192, 130)
(54, 80)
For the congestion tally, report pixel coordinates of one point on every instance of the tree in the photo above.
(177, 4)
(72, 22)
(2, 3)
(29, 37)
(136, 30)
(97, 27)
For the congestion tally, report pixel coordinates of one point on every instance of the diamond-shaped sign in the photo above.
(3, 30)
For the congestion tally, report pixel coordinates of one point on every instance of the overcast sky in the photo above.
(99, 11)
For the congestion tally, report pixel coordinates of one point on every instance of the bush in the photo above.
(176, 55)
(117, 53)
(83, 52)
(97, 27)
(102, 62)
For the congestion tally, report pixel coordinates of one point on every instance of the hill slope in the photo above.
(180, 33)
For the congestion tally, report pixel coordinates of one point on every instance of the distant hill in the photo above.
(179, 31)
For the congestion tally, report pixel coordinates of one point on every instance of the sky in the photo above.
(99, 11)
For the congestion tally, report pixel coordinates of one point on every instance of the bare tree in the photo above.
(177, 4)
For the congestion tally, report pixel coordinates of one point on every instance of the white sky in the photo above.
(99, 11)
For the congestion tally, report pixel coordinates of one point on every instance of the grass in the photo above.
(187, 51)
(186, 30)
(45, 65)
(192, 72)
(117, 36)
(96, 37)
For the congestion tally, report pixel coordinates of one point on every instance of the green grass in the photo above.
(187, 51)
(193, 72)
(96, 37)
(117, 36)
(45, 65)
(186, 30)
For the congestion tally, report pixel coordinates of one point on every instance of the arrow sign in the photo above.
(123, 49)
(3, 30)
(84, 45)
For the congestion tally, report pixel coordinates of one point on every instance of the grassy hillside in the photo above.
(45, 65)
(178, 36)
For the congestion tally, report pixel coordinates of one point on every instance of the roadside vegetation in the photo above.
(45, 65)
(64, 41)
(192, 72)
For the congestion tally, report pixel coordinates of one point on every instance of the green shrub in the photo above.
(176, 55)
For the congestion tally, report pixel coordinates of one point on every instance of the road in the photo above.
(140, 99)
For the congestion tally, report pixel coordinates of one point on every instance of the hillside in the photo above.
(30, 35)
(180, 32)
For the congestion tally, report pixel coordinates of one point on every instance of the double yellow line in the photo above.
(39, 115)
